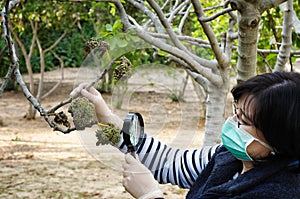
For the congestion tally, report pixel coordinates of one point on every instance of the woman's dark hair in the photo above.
(276, 108)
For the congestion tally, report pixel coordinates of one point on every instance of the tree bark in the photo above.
(286, 42)
(215, 112)
(248, 21)
(249, 13)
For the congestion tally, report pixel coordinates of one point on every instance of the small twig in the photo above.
(61, 78)
(6, 78)
(13, 185)
(50, 112)
(265, 60)
(225, 4)
(3, 51)
(207, 19)
(28, 94)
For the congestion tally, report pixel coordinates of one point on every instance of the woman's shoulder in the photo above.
(284, 184)
(288, 188)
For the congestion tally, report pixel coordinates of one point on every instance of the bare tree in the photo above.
(42, 52)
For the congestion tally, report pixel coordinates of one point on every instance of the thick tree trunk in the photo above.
(215, 112)
(248, 21)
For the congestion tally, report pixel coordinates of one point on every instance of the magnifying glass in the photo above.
(133, 131)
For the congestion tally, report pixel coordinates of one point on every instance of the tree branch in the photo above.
(296, 23)
(9, 43)
(185, 16)
(181, 38)
(123, 15)
(230, 37)
(177, 10)
(69, 100)
(6, 78)
(273, 28)
(180, 54)
(7, 33)
(61, 37)
(267, 4)
(14, 69)
(207, 19)
(3, 51)
(185, 55)
(222, 59)
(42, 68)
(61, 78)
(293, 52)
(167, 26)
(148, 13)
(28, 56)
(174, 37)
(34, 28)
(286, 43)
(199, 79)
(205, 44)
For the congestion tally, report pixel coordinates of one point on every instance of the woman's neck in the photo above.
(247, 165)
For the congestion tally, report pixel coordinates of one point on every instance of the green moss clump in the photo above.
(83, 113)
(107, 134)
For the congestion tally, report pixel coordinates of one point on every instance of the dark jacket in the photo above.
(270, 179)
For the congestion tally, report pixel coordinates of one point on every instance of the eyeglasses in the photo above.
(239, 113)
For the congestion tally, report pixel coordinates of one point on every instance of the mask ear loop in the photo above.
(265, 144)
(272, 153)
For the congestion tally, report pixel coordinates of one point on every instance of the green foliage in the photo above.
(127, 44)
(173, 97)
(296, 40)
(219, 25)
(70, 49)
(3, 59)
(53, 18)
(16, 139)
(270, 36)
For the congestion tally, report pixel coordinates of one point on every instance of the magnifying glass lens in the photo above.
(135, 130)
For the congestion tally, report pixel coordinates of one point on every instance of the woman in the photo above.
(258, 158)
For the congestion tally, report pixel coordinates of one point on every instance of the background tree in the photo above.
(38, 30)
(202, 38)
(191, 35)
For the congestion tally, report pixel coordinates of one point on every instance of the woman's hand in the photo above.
(138, 180)
(103, 112)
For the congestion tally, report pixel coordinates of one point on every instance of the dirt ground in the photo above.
(37, 162)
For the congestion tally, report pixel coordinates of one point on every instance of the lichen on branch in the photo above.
(107, 134)
(83, 113)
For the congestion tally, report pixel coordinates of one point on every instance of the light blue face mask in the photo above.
(236, 140)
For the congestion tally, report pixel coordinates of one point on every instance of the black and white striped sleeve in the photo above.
(172, 165)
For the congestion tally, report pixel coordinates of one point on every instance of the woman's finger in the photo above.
(93, 91)
(78, 89)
